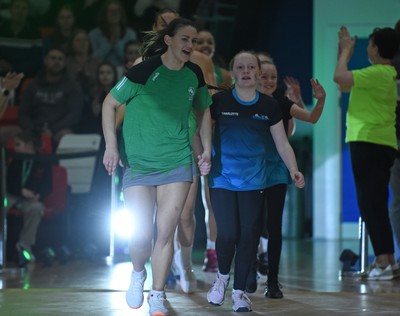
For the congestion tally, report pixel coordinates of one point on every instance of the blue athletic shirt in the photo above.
(278, 172)
(240, 140)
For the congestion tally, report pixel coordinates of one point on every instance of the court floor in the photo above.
(310, 276)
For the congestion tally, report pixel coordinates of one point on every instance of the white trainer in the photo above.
(216, 295)
(240, 302)
(134, 294)
(157, 304)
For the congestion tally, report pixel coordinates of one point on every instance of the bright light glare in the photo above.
(122, 223)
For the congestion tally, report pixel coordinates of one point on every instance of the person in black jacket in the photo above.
(29, 181)
(53, 101)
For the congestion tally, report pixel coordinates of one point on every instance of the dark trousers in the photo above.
(371, 165)
(237, 214)
(272, 226)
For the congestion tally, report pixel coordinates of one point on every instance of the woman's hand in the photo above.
(204, 164)
(346, 43)
(110, 159)
(12, 80)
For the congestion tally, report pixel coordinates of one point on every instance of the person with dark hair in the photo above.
(64, 29)
(106, 78)
(371, 134)
(244, 121)
(80, 62)
(182, 264)
(163, 18)
(109, 38)
(206, 45)
(160, 94)
(29, 181)
(53, 101)
(131, 53)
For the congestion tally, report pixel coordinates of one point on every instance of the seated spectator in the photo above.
(80, 61)
(53, 101)
(29, 181)
(106, 78)
(63, 31)
(20, 41)
(131, 53)
(109, 38)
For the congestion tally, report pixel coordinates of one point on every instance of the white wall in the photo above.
(360, 16)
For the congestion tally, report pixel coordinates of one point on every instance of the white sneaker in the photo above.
(134, 294)
(380, 274)
(240, 302)
(157, 304)
(188, 281)
(216, 295)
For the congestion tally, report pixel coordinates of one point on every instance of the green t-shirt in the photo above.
(371, 114)
(156, 123)
(192, 125)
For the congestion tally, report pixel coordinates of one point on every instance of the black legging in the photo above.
(272, 226)
(371, 165)
(237, 214)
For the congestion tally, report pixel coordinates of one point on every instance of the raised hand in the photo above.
(318, 89)
(346, 43)
(293, 90)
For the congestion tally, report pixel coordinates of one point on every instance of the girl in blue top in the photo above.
(243, 118)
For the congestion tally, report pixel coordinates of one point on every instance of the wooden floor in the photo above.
(310, 276)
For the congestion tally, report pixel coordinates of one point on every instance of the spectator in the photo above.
(80, 61)
(63, 31)
(20, 41)
(106, 78)
(53, 101)
(109, 38)
(28, 182)
(131, 53)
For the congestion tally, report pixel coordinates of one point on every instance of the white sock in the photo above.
(186, 257)
(210, 244)
(237, 291)
(153, 292)
(263, 244)
(223, 276)
(138, 275)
